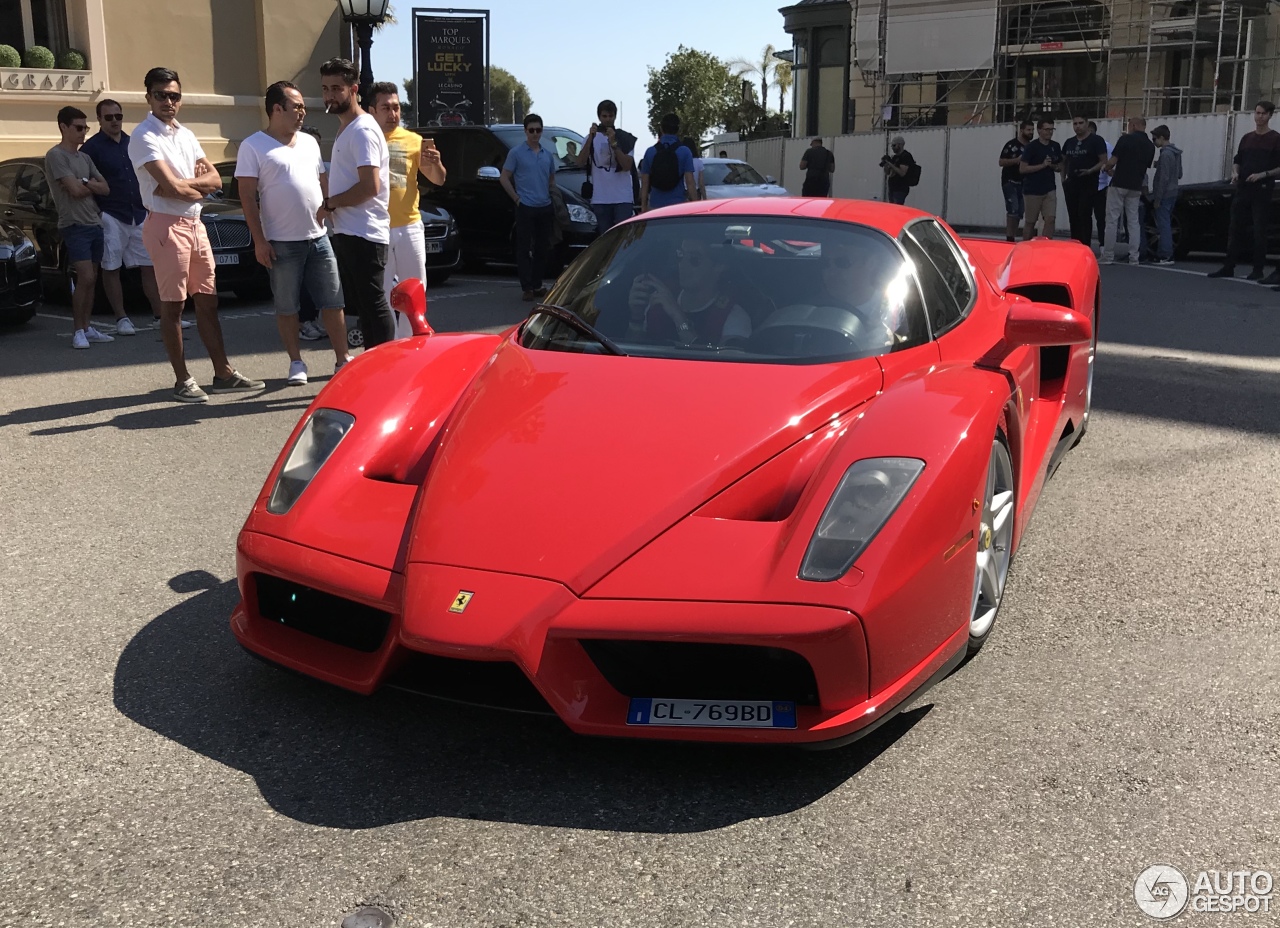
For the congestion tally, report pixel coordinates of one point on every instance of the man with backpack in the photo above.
(901, 169)
(666, 171)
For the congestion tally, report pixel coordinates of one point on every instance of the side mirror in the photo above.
(488, 173)
(410, 297)
(770, 179)
(1040, 325)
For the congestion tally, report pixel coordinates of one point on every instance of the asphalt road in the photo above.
(1125, 713)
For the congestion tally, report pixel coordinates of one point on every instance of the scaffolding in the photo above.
(1097, 58)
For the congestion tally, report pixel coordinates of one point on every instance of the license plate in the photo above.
(226, 259)
(712, 713)
(434, 248)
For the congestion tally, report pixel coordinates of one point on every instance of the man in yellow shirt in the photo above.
(407, 254)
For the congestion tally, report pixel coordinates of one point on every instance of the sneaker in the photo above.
(1105, 260)
(78, 340)
(311, 332)
(1271, 279)
(297, 373)
(124, 326)
(236, 383)
(94, 335)
(1223, 271)
(189, 392)
(1254, 275)
(1165, 262)
(182, 323)
(343, 363)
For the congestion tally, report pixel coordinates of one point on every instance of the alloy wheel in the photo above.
(995, 545)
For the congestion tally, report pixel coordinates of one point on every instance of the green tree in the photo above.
(407, 113)
(762, 69)
(697, 87)
(783, 79)
(506, 95)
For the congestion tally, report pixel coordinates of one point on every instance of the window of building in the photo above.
(24, 23)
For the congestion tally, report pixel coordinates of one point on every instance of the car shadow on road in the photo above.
(326, 757)
(129, 416)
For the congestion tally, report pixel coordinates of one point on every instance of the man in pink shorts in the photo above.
(174, 176)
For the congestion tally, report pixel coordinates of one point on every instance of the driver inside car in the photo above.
(701, 312)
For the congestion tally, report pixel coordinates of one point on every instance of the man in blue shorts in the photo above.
(280, 172)
(1011, 178)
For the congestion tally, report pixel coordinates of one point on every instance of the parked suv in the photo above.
(486, 217)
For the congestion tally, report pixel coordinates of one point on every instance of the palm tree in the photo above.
(782, 79)
(763, 68)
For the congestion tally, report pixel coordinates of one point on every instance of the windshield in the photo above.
(714, 175)
(563, 144)
(757, 289)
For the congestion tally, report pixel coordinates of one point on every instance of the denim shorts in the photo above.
(1013, 202)
(311, 263)
(83, 242)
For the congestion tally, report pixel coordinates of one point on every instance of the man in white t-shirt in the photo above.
(358, 202)
(173, 177)
(609, 155)
(281, 177)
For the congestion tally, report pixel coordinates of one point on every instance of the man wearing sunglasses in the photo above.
(76, 182)
(174, 175)
(528, 176)
(122, 214)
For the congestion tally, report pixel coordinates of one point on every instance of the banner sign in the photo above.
(451, 69)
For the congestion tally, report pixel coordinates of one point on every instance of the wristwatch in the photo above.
(325, 205)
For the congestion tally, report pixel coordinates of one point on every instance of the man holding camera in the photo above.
(896, 167)
(609, 156)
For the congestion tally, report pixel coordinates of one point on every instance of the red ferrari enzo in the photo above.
(754, 471)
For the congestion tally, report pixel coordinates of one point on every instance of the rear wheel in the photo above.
(1088, 384)
(995, 545)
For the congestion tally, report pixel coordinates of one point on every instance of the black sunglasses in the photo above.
(531, 131)
(169, 95)
(114, 117)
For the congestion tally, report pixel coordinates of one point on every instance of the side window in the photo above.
(939, 301)
(939, 251)
(449, 144)
(8, 177)
(34, 181)
(486, 151)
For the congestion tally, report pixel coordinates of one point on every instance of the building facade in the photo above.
(871, 64)
(226, 51)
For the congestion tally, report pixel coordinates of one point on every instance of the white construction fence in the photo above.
(960, 177)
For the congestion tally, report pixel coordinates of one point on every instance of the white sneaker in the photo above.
(183, 323)
(78, 340)
(124, 326)
(297, 373)
(311, 332)
(94, 335)
(343, 363)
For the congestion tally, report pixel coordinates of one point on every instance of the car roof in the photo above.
(723, 161)
(887, 217)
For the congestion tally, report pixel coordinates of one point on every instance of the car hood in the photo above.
(560, 465)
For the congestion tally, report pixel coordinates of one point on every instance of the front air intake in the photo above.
(328, 617)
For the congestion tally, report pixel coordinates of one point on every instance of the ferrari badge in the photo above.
(460, 601)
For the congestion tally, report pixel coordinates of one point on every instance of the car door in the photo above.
(37, 214)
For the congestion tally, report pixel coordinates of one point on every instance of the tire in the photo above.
(995, 544)
(1088, 389)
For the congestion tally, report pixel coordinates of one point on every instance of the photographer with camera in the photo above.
(608, 155)
(1041, 160)
(897, 167)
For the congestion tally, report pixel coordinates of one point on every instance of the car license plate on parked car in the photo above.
(712, 713)
(434, 248)
(226, 259)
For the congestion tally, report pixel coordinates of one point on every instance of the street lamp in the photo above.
(364, 15)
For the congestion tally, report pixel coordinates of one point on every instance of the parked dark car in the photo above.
(473, 157)
(25, 200)
(439, 230)
(19, 275)
(1202, 219)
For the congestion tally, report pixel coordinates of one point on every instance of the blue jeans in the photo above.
(1164, 225)
(1014, 206)
(609, 215)
(307, 262)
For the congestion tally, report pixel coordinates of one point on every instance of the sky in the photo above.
(574, 53)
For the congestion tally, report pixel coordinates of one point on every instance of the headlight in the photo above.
(320, 437)
(25, 250)
(867, 496)
(581, 214)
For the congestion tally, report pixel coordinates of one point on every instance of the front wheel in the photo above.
(995, 545)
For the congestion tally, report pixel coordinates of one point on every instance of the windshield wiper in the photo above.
(576, 322)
